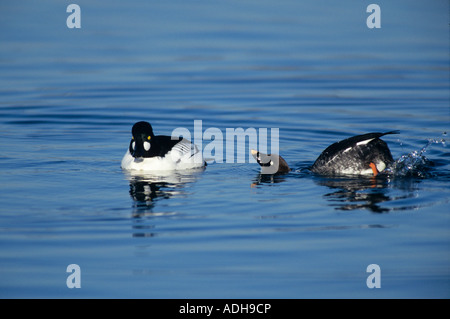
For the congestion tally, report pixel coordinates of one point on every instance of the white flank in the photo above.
(184, 155)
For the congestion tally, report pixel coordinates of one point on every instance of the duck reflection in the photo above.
(369, 193)
(357, 193)
(146, 189)
(351, 193)
(268, 179)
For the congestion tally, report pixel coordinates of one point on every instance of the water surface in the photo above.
(312, 69)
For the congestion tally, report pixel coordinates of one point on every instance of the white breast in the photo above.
(184, 155)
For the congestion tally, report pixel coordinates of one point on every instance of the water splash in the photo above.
(415, 163)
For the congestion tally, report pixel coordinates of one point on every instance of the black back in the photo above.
(161, 145)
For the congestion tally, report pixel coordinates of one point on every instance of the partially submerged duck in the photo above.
(363, 154)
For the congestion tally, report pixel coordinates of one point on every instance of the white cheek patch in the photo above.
(146, 146)
(133, 145)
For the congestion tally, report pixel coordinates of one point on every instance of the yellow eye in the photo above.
(148, 138)
(132, 138)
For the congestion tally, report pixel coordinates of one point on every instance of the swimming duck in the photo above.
(148, 152)
(271, 163)
(363, 154)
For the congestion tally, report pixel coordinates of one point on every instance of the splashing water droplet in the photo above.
(415, 163)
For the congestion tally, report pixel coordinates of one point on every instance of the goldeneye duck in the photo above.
(148, 152)
(363, 154)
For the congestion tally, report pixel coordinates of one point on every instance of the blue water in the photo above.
(313, 69)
